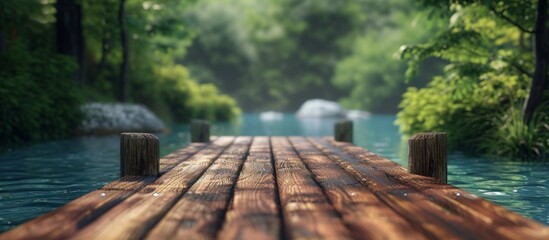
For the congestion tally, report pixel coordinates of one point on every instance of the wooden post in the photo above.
(343, 131)
(139, 154)
(200, 131)
(427, 155)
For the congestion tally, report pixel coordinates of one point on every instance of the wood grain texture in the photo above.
(200, 212)
(427, 155)
(361, 210)
(417, 208)
(475, 209)
(70, 218)
(171, 160)
(139, 154)
(307, 213)
(136, 215)
(254, 212)
(279, 188)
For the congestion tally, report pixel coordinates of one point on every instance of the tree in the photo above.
(541, 53)
(371, 74)
(122, 88)
(1, 41)
(70, 40)
(530, 17)
(492, 72)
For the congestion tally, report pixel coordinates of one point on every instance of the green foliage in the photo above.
(461, 105)
(39, 99)
(272, 54)
(371, 73)
(158, 35)
(511, 136)
(277, 54)
(477, 99)
(178, 97)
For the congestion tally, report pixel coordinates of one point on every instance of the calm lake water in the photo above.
(41, 177)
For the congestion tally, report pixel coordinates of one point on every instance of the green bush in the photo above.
(511, 136)
(478, 98)
(39, 100)
(174, 95)
(478, 114)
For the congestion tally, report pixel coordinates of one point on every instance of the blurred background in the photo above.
(74, 73)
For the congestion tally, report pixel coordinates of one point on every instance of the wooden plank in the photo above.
(68, 219)
(200, 212)
(362, 211)
(467, 205)
(417, 208)
(133, 217)
(307, 213)
(171, 160)
(253, 212)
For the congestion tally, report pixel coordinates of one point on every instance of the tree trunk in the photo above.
(70, 40)
(539, 81)
(122, 94)
(2, 42)
(105, 46)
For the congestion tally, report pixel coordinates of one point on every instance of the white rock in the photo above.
(271, 116)
(117, 117)
(319, 108)
(357, 114)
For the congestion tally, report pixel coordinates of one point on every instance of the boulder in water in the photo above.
(357, 114)
(319, 108)
(271, 116)
(110, 118)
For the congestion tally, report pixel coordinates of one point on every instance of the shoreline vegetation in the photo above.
(49, 70)
(474, 69)
(492, 96)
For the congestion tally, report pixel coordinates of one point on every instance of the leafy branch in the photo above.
(502, 15)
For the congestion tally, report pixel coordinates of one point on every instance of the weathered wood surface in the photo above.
(253, 212)
(427, 155)
(69, 219)
(198, 213)
(306, 210)
(139, 154)
(136, 215)
(279, 188)
(360, 209)
(467, 205)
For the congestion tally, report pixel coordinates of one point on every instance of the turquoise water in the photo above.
(41, 177)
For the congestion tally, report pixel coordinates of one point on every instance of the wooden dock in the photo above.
(279, 188)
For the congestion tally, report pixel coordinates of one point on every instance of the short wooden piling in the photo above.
(139, 154)
(427, 155)
(343, 131)
(200, 131)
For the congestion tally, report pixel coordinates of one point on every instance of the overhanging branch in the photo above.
(510, 20)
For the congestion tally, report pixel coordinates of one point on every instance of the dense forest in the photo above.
(56, 55)
(277, 54)
(476, 69)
